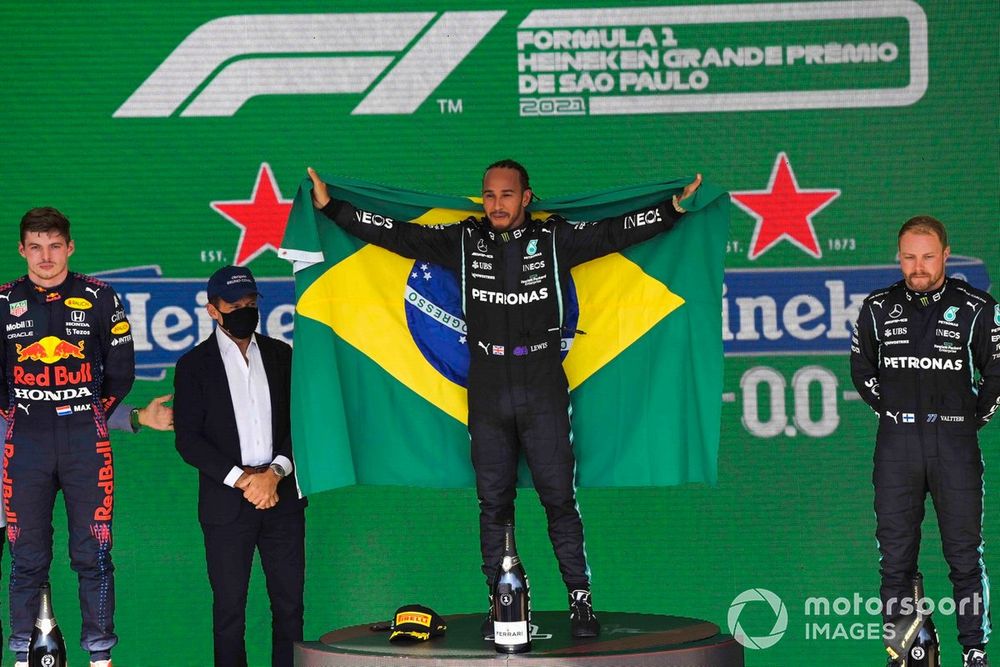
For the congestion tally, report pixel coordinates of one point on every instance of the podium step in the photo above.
(626, 640)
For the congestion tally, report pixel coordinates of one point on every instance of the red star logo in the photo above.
(784, 211)
(261, 219)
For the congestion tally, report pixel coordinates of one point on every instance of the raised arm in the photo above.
(439, 244)
(581, 242)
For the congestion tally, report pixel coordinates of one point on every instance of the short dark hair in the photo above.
(925, 224)
(516, 166)
(45, 219)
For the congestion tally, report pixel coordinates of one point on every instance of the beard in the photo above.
(922, 282)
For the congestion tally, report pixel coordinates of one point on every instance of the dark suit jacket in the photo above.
(205, 425)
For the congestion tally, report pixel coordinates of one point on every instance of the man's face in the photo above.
(230, 306)
(47, 254)
(922, 259)
(503, 198)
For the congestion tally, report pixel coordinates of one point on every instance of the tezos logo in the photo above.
(949, 315)
(780, 622)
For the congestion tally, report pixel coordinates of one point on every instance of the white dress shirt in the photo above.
(251, 405)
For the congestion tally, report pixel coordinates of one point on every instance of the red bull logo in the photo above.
(49, 350)
(106, 482)
(59, 376)
(8, 485)
(64, 350)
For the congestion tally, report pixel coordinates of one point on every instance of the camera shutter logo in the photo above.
(780, 621)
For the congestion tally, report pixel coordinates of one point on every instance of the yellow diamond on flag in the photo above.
(362, 298)
(619, 302)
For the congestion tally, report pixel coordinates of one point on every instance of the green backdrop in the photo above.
(878, 114)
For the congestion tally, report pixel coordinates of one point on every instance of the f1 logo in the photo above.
(223, 44)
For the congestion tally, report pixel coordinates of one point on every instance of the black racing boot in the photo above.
(975, 658)
(582, 621)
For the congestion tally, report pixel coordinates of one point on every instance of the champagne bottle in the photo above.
(46, 648)
(511, 601)
(926, 650)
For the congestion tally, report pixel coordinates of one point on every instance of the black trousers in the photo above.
(229, 549)
(520, 404)
(907, 468)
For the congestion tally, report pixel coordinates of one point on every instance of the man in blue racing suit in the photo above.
(66, 363)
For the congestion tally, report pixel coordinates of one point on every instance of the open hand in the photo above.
(156, 415)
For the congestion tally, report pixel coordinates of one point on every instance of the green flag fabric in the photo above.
(379, 368)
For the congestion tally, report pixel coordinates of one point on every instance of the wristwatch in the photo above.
(133, 420)
(278, 470)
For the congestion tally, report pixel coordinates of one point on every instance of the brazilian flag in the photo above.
(378, 373)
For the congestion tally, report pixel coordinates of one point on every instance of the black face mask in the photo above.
(241, 322)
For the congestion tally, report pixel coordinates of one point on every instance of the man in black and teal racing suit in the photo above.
(917, 348)
(514, 270)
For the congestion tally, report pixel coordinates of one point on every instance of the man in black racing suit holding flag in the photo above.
(514, 271)
(916, 347)
(66, 363)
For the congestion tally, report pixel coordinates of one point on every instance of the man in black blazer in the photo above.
(231, 419)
